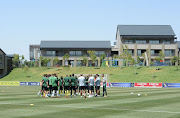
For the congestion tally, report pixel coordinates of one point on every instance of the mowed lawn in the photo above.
(168, 74)
(159, 103)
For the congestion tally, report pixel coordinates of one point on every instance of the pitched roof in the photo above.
(2, 51)
(75, 44)
(178, 44)
(153, 30)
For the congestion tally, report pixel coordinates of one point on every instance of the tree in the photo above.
(134, 62)
(175, 59)
(55, 61)
(161, 56)
(102, 57)
(66, 57)
(84, 59)
(22, 58)
(152, 63)
(92, 56)
(15, 60)
(115, 56)
(44, 61)
(125, 54)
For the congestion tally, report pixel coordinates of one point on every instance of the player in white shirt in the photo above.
(81, 81)
(97, 82)
(104, 85)
(91, 85)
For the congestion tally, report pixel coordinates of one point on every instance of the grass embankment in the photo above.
(117, 74)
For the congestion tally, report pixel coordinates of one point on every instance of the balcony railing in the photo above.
(170, 55)
(155, 54)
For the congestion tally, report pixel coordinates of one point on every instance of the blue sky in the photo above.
(25, 22)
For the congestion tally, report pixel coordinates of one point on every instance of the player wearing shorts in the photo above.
(42, 89)
(50, 84)
(97, 82)
(45, 84)
(54, 86)
(61, 85)
(81, 81)
(91, 85)
(86, 83)
(73, 81)
(104, 85)
(66, 85)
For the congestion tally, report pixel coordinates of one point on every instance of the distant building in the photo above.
(147, 38)
(139, 39)
(5, 63)
(75, 49)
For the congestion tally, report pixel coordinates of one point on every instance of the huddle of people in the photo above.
(53, 86)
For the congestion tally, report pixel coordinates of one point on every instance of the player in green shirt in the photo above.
(61, 81)
(73, 83)
(66, 85)
(45, 83)
(55, 85)
(50, 83)
(42, 87)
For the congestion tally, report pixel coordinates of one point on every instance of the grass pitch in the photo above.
(159, 103)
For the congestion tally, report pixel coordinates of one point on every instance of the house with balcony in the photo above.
(147, 38)
(75, 50)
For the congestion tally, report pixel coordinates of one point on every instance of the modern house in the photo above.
(147, 38)
(75, 49)
(139, 39)
(5, 63)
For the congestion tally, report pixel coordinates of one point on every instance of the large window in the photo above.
(78, 53)
(51, 53)
(0, 60)
(154, 41)
(169, 53)
(166, 41)
(140, 52)
(128, 41)
(99, 53)
(131, 52)
(72, 53)
(141, 41)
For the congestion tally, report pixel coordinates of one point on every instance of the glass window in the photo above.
(50, 53)
(128, 41)
(152, 51)
(141, 41)
(139, 52)
(154, 41)
(169, 53)
(166, 41)
(78, 53)
(101, 52)
(72, 53)
(131, 52)
(96, 53)
(0, 59)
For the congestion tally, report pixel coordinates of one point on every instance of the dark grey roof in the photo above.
(75, 44)
(146, 30)
(178, 44)
(10, 55)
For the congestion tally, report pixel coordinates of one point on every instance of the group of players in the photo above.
(53, 86)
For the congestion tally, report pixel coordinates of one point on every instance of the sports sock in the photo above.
(61, 92)
(57, 93)
(53, 92)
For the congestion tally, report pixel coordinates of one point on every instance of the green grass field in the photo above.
(159, 103)
(167, 74)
